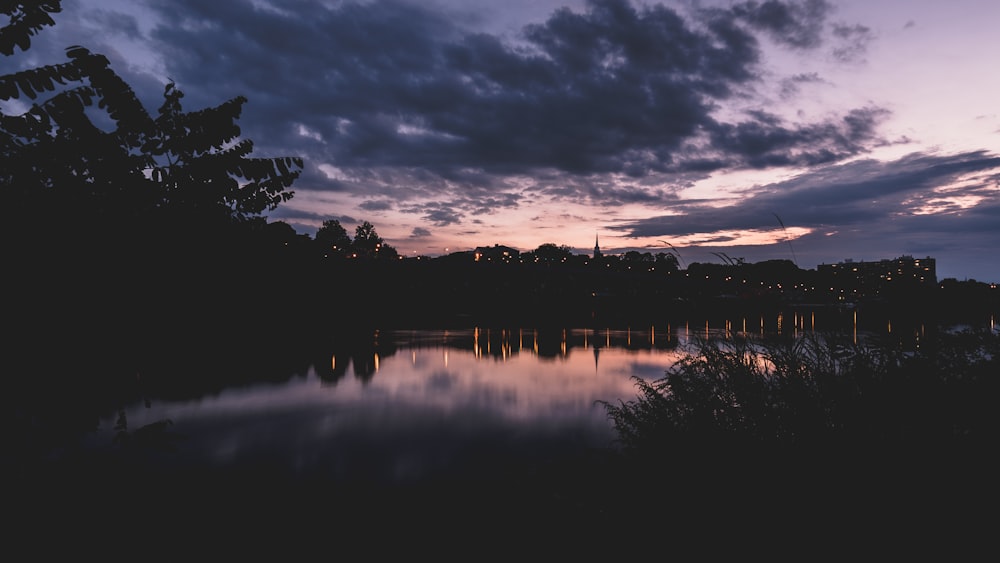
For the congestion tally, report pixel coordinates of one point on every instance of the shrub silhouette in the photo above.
(812, 394)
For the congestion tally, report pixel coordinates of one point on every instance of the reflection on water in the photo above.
(413, 402)
(403, 404)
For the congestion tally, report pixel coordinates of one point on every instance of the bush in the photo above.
(815, 394)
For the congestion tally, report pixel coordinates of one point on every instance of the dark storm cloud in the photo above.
(869, 194)
(608, 194)
(765, 141)
(797, 24)
(490, 204)
(448, 212)
(803, 25)
(614, 88)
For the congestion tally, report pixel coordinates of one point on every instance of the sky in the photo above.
(807, 130)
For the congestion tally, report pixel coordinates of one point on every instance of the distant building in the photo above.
(869, 278)
(496, 253)
(597, 248)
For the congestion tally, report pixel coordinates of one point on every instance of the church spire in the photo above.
(597, 247)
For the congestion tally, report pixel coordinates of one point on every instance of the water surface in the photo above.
(409, 404)
(404, 405)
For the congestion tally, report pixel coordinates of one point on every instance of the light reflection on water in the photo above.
(432, 398)
(422, 401)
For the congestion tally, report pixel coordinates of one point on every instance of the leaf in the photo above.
(24, 84)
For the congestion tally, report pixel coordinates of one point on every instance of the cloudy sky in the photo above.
(809, 130)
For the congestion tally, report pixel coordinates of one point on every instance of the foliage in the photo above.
(549, 253)
(26, 18)
(90, 163)
(332, 238)
(666, 261)
(366, 241)
(636, 257)
(808, 394)
(187, 167)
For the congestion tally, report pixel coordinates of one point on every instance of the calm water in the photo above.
(404, 405)
(420, 402)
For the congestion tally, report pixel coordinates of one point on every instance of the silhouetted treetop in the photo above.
(188, 166)
(368, 244)
(26, 18)
(549, 253)
(332, 238)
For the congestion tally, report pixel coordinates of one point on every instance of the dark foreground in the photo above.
(937, 503)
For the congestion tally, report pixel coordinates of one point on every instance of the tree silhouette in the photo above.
(368, 244)
(550, 253)
(199, 163)
(666, 261)
(634, 257)
(190, 168)
(117, 214)
(27, 17)
(366, 240)
(332, 239)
